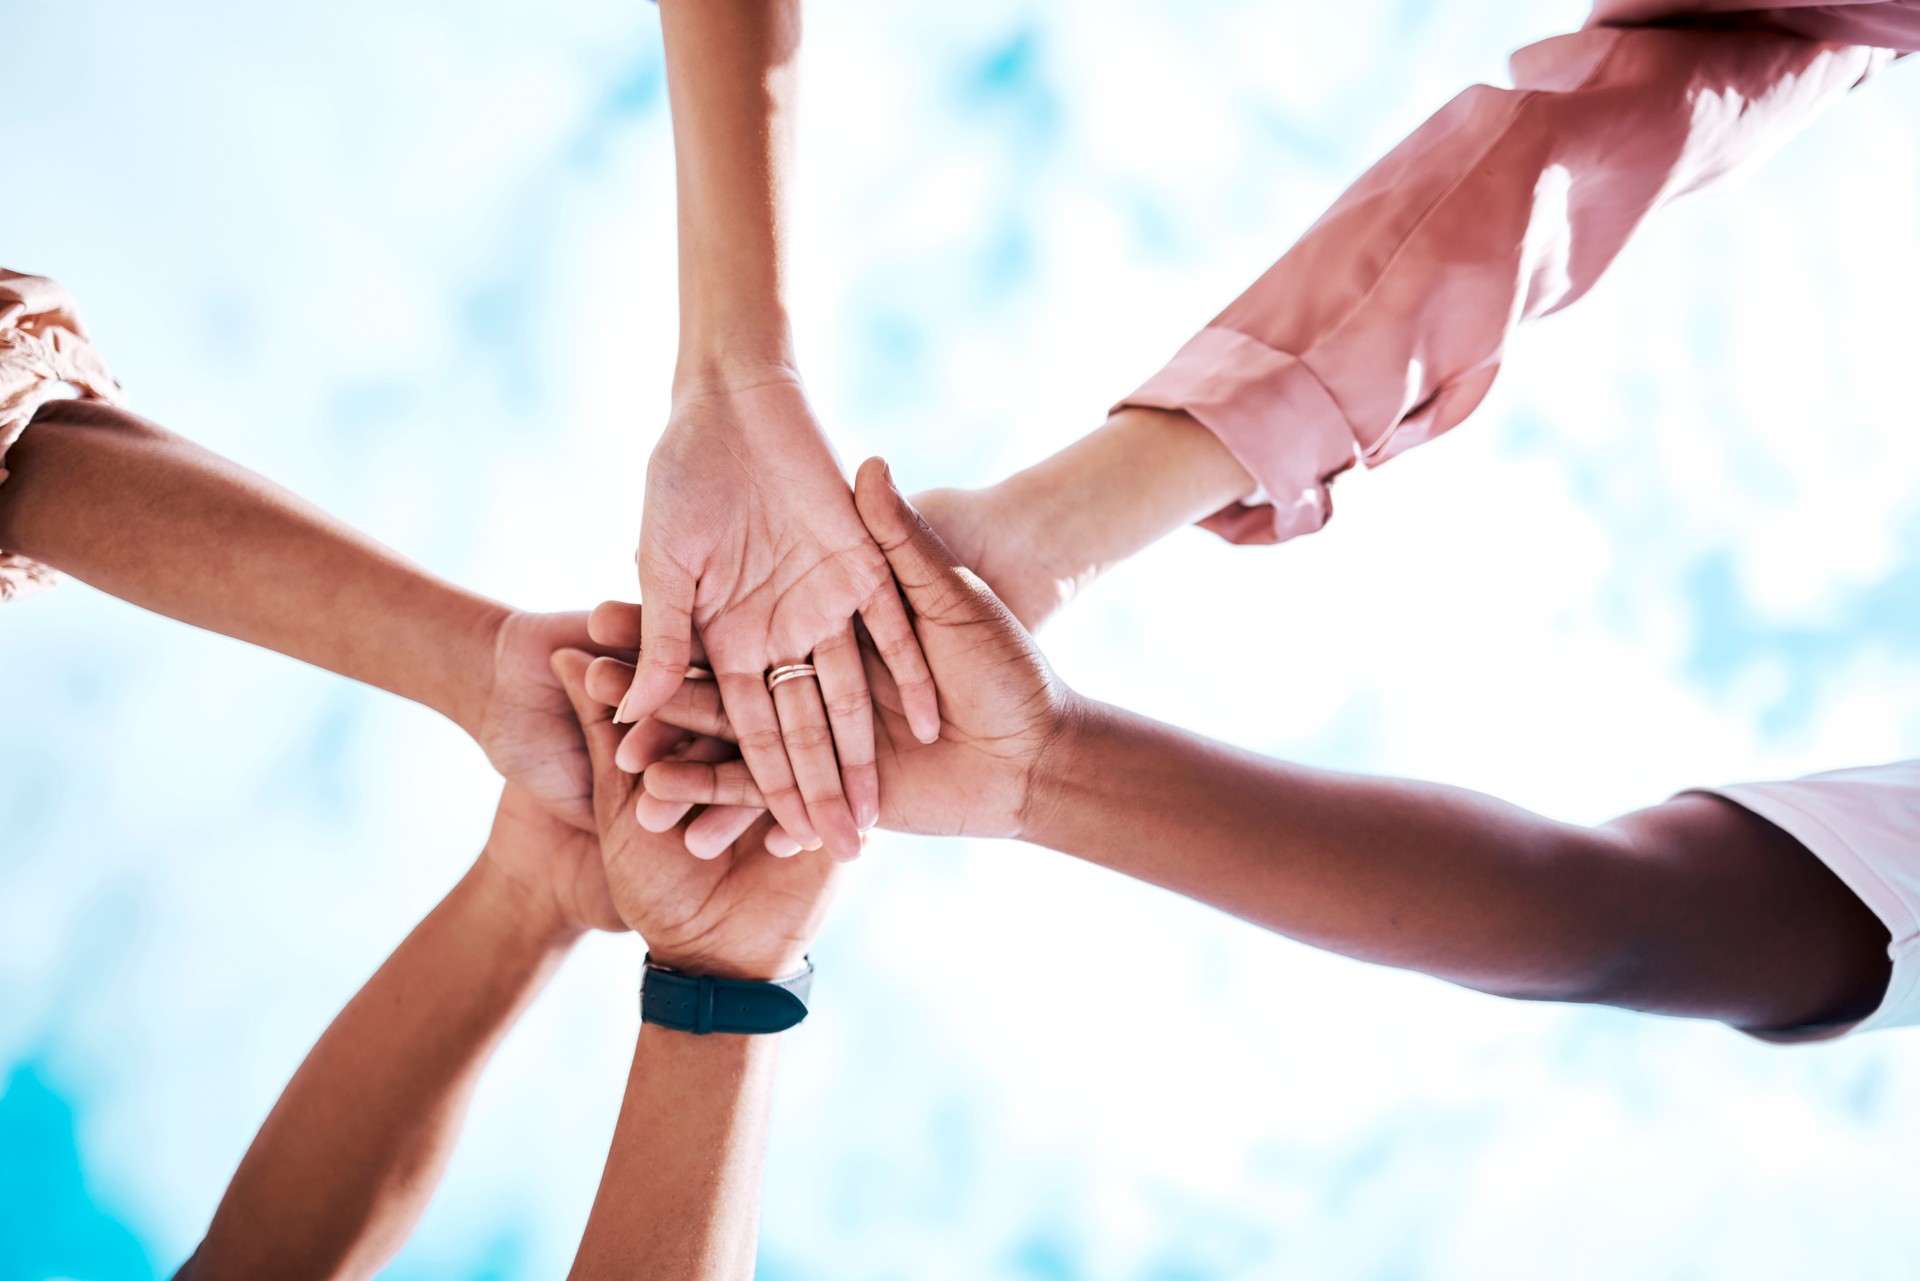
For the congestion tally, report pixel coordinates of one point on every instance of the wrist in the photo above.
(761, 963)
(1057, 772)
(475, 677)
(1137, 477)
(733, 361)
(521, 915)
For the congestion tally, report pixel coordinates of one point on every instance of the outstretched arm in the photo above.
(1694, 906)
(1385, 325)
(346, 1161)
(150, 517)
(680, 1196)
(1691, 907)
(748, 532)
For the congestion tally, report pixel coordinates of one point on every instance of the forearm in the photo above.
(156, 520)
(348, 1158)
(1691, 908)
(1116, 491)
(681, 1194)
(1403, 874)
(1385, 325)
(731, 77)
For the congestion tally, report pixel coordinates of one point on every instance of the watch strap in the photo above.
(701, 1003)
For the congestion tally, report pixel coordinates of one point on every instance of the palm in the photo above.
(529, 731)
(550, 860)
(740, 912)
(746, 500)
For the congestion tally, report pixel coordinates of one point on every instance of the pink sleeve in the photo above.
(1384, 325)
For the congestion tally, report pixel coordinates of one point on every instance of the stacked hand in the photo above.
(750, 537)
(525, 724)
(1000, 706)
(737, 914)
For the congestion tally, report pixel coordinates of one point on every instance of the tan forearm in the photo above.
(731, 78)
(347, 1160)
(1138, 477)
(154, 519)
(681, 1194)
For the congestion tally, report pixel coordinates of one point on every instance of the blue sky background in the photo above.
(415, 260)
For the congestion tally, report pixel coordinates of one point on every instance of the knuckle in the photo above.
(849, 706)
(766, 739)
(808, 738)
(824, 791)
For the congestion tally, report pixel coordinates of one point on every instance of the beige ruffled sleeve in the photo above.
(45, 355)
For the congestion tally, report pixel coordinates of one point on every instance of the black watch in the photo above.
(700, 1003)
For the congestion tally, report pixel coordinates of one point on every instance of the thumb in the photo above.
(596, 723)
(666, 640)
(936, 587)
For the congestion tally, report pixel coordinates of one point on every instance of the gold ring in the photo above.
(791, 672)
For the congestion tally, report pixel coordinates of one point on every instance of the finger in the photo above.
(779, 844)
(719, 826)
(843, 688)
(756, 726)
(697, 708)
(699, 783)
(658, 816)
(893, 636)
(715, 829)
(666, 640)
(694, 707)
(931, 579)
(615, 624)
(649, 741)
(596, 723)
(809, 743)
(608, 680)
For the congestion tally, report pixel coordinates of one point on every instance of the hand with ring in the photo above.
(1001, 709)
(750, 539)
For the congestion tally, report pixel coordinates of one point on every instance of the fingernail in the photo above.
(780, 844)
(817, 843)
(886, 474)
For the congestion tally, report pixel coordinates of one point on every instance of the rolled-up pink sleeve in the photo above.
(1384, 325)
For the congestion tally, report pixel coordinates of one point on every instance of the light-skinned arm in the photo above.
(148, 516)
(748, 532)
(1386, 323)
(1692, 907)
(348, 1158)
(680, 1196)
